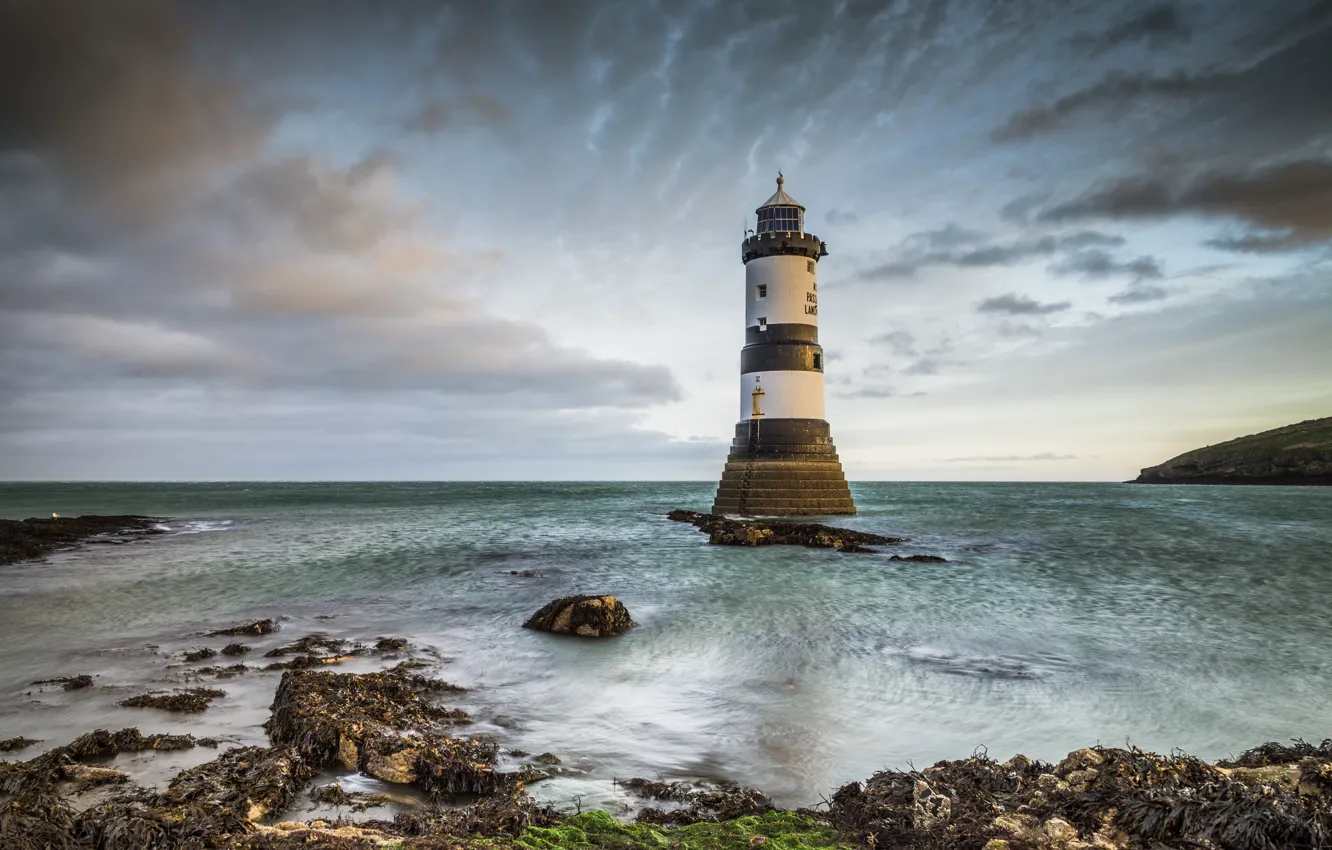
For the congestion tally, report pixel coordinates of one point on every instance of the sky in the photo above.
(500, 240)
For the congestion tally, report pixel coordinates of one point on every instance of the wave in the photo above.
(195, 526)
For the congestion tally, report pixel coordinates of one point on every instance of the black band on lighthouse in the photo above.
(781, 333)
(781, 357)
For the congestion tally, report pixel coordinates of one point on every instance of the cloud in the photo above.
(1099, 265)
(1115, 91)
(953, 246)
(109, 91)
(836, 216)
(900, 342)
(1020, 305)
(1158, 25)
(923, 366)
(1139, 295)
(1010, 458)
(1294, 199)
(869, 392)
(473, 110)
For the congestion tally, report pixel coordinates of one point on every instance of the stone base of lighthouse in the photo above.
(783, 467)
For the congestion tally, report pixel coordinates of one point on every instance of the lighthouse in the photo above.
(782, 461)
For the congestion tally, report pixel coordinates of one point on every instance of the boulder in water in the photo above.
(587, 616)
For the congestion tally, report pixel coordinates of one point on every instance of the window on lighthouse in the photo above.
(763, 323)
(762, 290)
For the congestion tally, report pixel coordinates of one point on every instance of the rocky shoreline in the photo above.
(1298, 455)
(397, 726)
(29, 539)
(403, 728)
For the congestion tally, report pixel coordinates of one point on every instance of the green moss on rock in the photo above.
(597, 830)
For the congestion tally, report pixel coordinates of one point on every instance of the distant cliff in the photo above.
(1295, 454)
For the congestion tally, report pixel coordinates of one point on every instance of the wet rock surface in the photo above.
(190, 700)
(24, 540)
(723, 531)
(390, 725)
(258, 627)
(585, 616)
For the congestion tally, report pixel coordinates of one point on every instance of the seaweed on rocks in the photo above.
(254, 781)
(586, 616)
(35, 538)
(334, 794)
(309, 645)
(390, 644)
(723, 531)
(1265, 755)
(200, 654)
(8, 745)
(920, 559)
(190, 700)
(235, 649)
(700, 802)
(70, 683)
(506, 814)
(101, 743)
(327, 716)
(258, 627)
(228, 672)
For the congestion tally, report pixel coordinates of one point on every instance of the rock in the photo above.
(235, 649)
(38, 537)
(88, 775)
(200, 654)
(1079, 760)
(547, 758)
(1018, 762)
(78, 682)
(1285, 775)
(258, 627)
(587, 616)
(997, 844)
(348, 754)
(1060, 831)
(1315, 779)
(398, 767)
(1078, 779)
(1048, 782)
(1015, 823)
(930, 808)
(723, 531)
(744, 535)
(190, 700)
(920, 559)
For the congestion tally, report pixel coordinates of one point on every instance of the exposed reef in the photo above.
(25, 540)
(1294, 454)
(723, 531)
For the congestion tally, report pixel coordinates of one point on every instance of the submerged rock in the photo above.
(586, 616)
(235, 649)
(200, 654)
(11, 744)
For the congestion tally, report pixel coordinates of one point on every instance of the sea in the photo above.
(1066, 615)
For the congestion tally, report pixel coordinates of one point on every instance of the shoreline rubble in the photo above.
(390, 726)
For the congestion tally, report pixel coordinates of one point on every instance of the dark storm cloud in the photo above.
(108, 91)
(1158, 25)
(954, 246)
(1292, 199)
(1020, 305)
(1095, 264)
(1116, 91)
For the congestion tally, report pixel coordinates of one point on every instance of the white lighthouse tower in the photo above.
(782, 461)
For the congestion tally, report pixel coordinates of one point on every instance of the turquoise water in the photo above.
(1067, 614)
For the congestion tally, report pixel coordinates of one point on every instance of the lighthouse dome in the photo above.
(781, 213)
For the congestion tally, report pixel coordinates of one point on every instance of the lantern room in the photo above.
(781, 213)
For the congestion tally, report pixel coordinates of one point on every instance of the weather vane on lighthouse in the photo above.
(791, 467)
